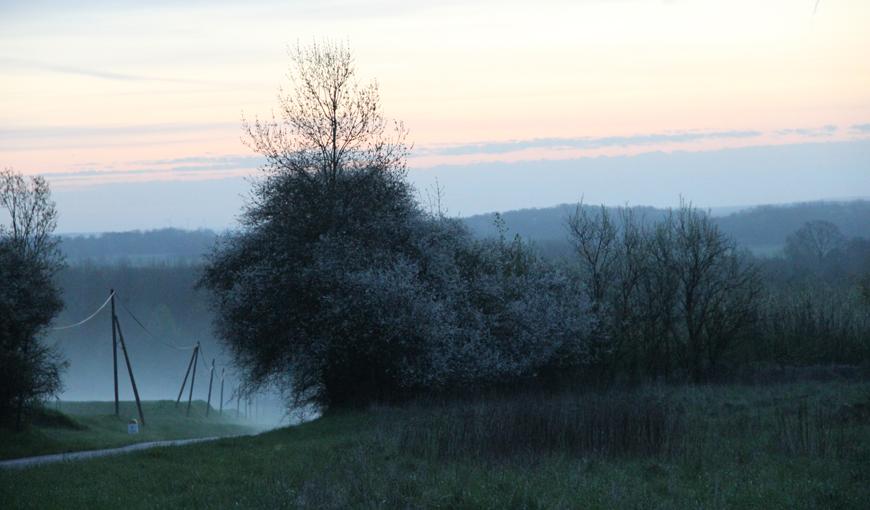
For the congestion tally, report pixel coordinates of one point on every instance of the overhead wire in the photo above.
(203, 358)
(108, 300)
(89, 317)
(152, 335)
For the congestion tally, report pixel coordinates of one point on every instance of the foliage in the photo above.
(29, 370)
(388, 304)
(812, 309)
(340, 289)
(29, 298)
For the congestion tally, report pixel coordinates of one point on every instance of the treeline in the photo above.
(374, 299)
(677, 298)
(138, 247)
(626, 302)
(762, 229)
(816, 306)
(768, 226)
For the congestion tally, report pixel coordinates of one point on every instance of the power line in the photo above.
(152, 335)
(202, 357)
(91, 316)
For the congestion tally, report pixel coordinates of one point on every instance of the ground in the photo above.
(785, 446)
(75, 426)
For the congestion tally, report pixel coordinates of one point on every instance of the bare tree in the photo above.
(659, 298)
(676, 293)
(814, 242)
(329, 122)
(718, 289)
(32, 215)
(332, 210)
(594, 236)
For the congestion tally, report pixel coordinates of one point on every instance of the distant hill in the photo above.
(766, 227)
(762, 229)
(138, 247)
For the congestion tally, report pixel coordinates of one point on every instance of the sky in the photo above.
(133, 109)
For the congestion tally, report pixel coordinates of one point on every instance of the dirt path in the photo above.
(91, 454)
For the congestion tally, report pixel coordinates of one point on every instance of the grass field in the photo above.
(76, 426)
(786, 446)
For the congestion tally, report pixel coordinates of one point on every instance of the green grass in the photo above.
(76, 426)
(791, 446)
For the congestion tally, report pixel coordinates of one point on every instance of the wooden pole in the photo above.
(221, 412)
(186, 374)
(114, 350)
(193, 377)
(210, 381)
(130, 371)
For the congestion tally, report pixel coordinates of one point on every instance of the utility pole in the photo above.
(210, 381)
(130, 371)
(221, 412)
(193, 377)
(186, 374)
(114, 350)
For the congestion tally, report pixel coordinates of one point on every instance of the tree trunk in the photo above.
(19, 412)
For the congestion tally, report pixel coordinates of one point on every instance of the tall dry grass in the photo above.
(607, 425)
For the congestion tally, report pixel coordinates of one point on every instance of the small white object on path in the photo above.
(91, 454)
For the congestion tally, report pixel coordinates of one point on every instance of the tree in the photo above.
(330, 124)
(29, 297)
(609, 251)
(332, 213)
(674, 294)
(813, 243)
(717, 292)
(339, 287)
